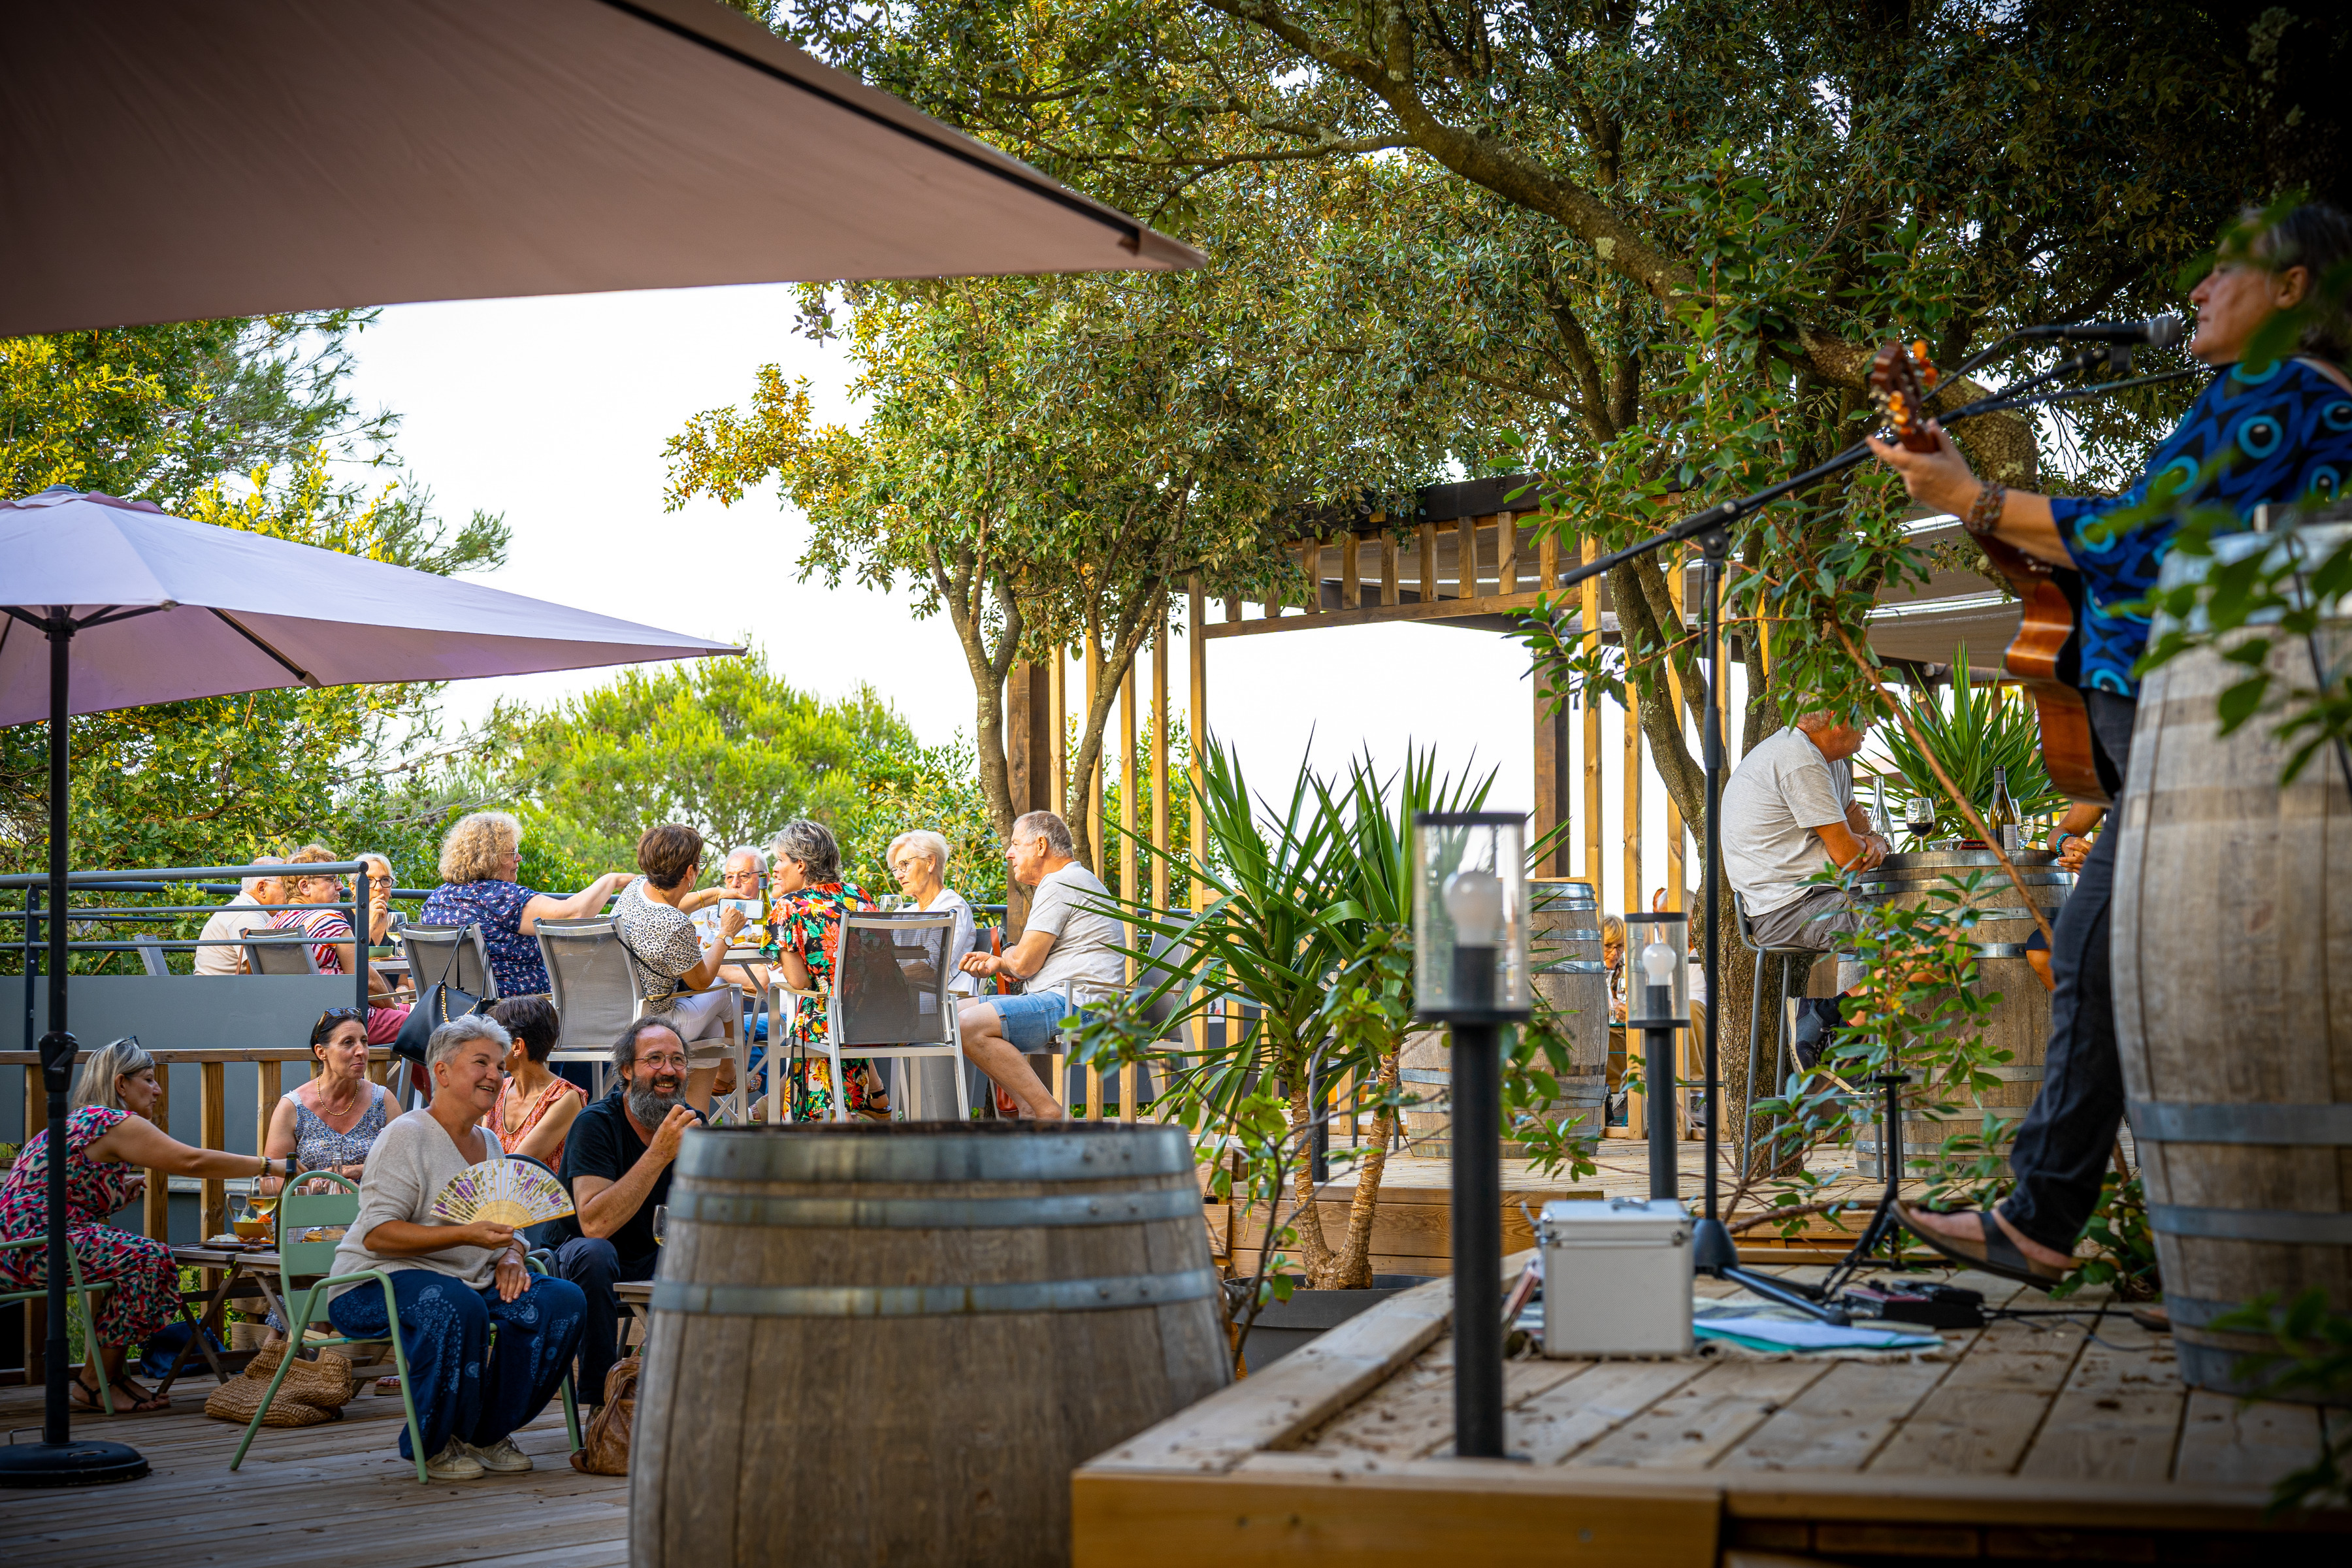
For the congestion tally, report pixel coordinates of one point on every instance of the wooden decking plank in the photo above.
(1555, 1424)
(2224, 1445)
(1692, 1427)
(1421, 1424)
(1842, 1420)
(2118, 1417)
(1982, 1417)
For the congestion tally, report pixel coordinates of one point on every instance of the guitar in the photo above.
(2042, 656)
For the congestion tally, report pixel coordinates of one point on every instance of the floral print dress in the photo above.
(146, 1293)
(808, 922)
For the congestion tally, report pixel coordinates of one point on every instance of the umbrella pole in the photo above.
(56, 1460)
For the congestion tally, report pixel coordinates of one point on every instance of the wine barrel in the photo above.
(2232, 941)
(1564, 950)
(2019, 1021)
(894, 1343)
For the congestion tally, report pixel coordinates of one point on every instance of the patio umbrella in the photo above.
(112, 604)
(172, 160)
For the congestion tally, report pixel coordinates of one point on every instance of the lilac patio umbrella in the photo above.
(110, 603)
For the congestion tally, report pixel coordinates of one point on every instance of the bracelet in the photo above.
(1984, 512)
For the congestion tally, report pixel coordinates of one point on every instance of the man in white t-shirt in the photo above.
(1788, 812)
(1068, 950)
(249, 911)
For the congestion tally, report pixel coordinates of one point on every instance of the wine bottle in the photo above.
(1880, 823)
(2001, 816)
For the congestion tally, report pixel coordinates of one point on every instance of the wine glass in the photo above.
(661, 1225)
(1919, 820)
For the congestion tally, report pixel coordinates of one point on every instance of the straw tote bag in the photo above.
(313, 1392)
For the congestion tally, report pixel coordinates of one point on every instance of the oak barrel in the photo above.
(2019, 1021)
(893, 1342)
(2233, 944)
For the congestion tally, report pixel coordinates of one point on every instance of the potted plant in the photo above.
(1308, 923)
(1971, 731)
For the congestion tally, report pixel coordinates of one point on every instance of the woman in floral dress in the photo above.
(809, 899)
(108, 1140)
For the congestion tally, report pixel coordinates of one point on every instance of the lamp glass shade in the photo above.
(1470, 916)
(1657, 970)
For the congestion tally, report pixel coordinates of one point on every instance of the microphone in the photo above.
(2157, 332)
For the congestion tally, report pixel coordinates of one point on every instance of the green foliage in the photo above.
(2123, 1255)
(1970, 733)
(2313, 1356)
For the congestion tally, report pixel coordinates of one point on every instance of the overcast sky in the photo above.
(553, 412)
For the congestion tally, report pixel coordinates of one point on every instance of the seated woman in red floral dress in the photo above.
(108, 1140)
(804, 939)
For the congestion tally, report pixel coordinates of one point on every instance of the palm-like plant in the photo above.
(1971, 731)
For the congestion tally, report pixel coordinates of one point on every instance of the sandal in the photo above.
(139, 1401)
(85, 1396)
(1992, 1251)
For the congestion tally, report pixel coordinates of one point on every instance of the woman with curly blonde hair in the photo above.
(479, 859)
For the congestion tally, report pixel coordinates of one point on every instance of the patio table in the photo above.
(255, 1268)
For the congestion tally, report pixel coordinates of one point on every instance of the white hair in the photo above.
(922, 838)
(252, 882)
(758, 857)
(454, 1035)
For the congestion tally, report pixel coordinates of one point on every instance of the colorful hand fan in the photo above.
(509, 1191)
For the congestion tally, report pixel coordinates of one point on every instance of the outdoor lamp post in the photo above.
(1657, 1003)
(1470, 972)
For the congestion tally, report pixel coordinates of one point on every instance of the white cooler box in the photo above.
(1616, 1278)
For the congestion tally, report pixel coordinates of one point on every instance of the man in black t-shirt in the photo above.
(616, 1165)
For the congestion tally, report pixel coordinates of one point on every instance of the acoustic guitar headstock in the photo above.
(1900, 380)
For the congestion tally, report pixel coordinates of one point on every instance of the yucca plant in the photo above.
(1971, 731)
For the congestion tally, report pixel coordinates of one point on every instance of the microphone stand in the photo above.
(1712, 1251)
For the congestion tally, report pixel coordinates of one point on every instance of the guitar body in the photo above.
(2042, 656)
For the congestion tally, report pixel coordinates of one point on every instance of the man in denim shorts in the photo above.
(1069, 946)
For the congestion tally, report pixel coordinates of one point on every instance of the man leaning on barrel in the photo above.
(2275, 433)
(1788, 810)
(616, 1165)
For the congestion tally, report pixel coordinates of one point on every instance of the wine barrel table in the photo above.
(889, 1342)
(1564, 932)
(2019, 1021)
(2232, 943)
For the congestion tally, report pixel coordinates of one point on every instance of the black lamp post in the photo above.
(1657, 996)
(1470, 972)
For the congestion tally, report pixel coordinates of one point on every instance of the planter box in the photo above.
(1282, 1327)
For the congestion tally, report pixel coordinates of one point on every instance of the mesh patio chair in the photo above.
(280, 955)
(150, 955)
(890, 999)
(597, 993)
(430, 948)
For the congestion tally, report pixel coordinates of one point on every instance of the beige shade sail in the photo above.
(170, 160)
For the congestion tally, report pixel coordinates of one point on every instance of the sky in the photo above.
(553, 412)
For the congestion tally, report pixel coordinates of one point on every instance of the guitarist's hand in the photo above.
(1939, 480)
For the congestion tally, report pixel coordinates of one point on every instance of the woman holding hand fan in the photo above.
(439, 1209)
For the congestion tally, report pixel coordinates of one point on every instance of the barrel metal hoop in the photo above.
(1101, 1295)
(1423, 1074)
(936, 1214)
(2002, 949)
(2175, 1121)
(1573, 966)
(2195, 1311)
(782, 1156)
(2301, 1227)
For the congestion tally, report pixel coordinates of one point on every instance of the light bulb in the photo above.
(1658, 963)
(1473, 901)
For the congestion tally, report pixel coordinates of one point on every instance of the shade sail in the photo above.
(226, 611)
(170, 160)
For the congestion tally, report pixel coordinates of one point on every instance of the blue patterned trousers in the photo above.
(463, 1384)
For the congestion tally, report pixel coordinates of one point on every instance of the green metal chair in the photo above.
(81, 1294)
(300, 1212)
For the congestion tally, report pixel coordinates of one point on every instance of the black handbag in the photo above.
(435, 1005)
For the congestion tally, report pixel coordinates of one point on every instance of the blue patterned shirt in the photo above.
(2279, 434)
(515, 962)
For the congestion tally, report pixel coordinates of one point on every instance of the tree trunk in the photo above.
(1128, 634)
(1354, 1268)
(1322, 1271)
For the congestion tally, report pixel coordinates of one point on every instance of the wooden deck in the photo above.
(2043, 1439)
(335, 1496)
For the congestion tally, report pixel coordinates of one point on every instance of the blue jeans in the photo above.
(1030, 1020)
(595, 1264)
(462, 1384)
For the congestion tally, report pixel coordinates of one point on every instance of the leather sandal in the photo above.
(1990, 1250)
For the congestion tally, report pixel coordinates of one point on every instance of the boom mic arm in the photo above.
(2155, 332)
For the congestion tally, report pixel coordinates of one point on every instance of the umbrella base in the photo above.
(84, 1462)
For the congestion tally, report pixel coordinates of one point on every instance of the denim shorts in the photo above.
(1030, 1020)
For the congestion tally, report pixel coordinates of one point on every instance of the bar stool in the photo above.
(1756, 1019)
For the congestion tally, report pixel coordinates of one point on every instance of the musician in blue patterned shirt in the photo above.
(2277, 432)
